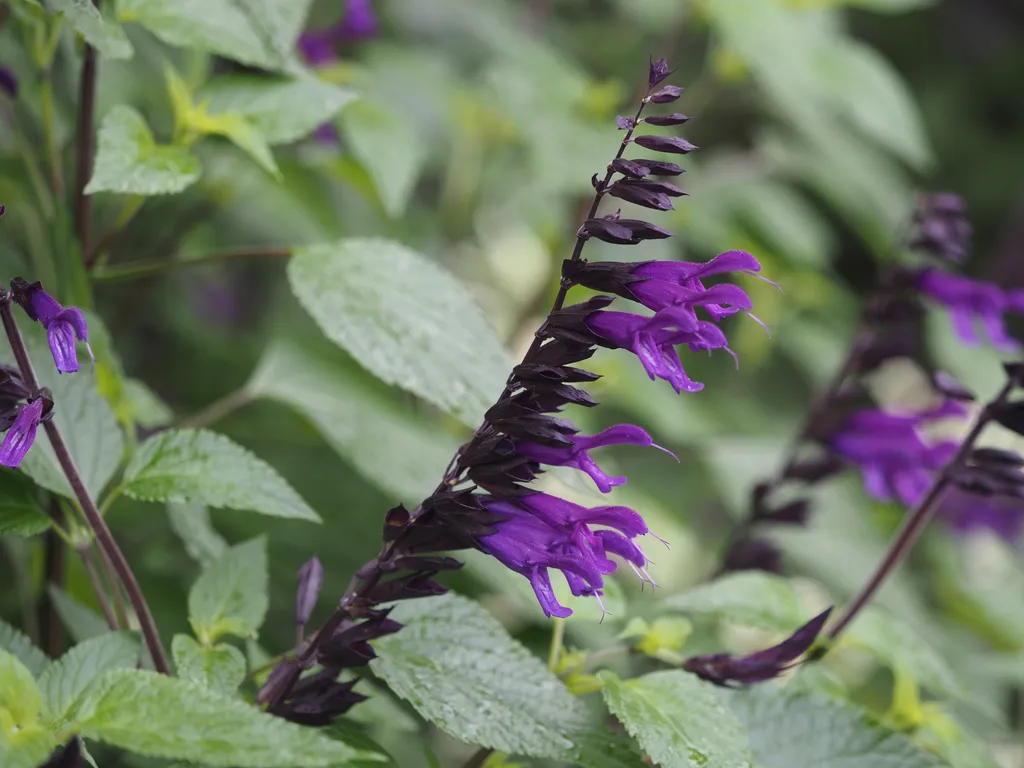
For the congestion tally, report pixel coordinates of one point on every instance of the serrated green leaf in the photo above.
(230, 597)
(241, 133)
(221, 668)
(19, 694)
(679, 720)
(747, 597)
(81, 621)
(85, 419)
(799, 731)
(282, 109)
(66, 680)
(129, 161)
(215, 26)
(15, 642)
(607, 748)
(24, 747)
(192, 524)
(461, 670)
(19, 511)
(195, 465)
(105, 36)
(282, 21)
(388, 145)
(383, 438)
(405, 320)
(161, 716)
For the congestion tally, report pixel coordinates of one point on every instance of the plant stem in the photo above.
(51, 631)
(904, 540)
(98, 588)
(478, 758)
(46, 103)
(217, 410)
(135, 269)
(99, 527)
(84, 147)
(557, 638)
(126, 214)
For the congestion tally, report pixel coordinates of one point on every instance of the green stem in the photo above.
(557, 638)
(136, 269)
(217, 410)
(126, 214)
(46, 102)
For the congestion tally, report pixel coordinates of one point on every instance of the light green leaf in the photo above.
(186, 465)
(66, 680)
(230, 597)
(800, 731)
(383, 438)
(389, 147)
(405, 320)
(607, 748)
(192, 524)
(161, 716)
(20, 646)
(754, 598)
(19, 694)
(221, 668)
(242, 134)
(85, 419)
(282, 109)
(878, 100)
(678, 719)
(461, 670)
(215, 26)
(282, 21)
(27, 747)
(106, 37)
(146, 408)
(82, 622)
(129, 161)
(19, 511)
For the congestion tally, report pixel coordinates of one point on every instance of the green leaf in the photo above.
(215, 26)
(186, 465)
(221, 668)
(405, 320)
(879, 101)
(24, 747)
(282, 21)
(129, 161)
(161, 716)
(282, 109)
(19, 645)
(460, 670)
(82, 622)
(754, 598)
(19, 694)
(388, 145)
(390, 444)
(242, 134)
(678, 719)
(607, 748)
(106, 37)
(230, 597)
(798, 731)
(192, 524)
(145, 407)
(85, 419)
(19, 510)
(66, 680)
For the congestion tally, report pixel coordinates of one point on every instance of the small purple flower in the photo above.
(894, 459)
(973, 301)
(63, 325)
(22, 434)
(966, 512)
(311, 579)
(8, 83)
(723, 669)
(545, 532)
(319, 46)
(577, 454)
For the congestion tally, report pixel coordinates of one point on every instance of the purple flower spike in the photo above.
(972, 301)
(723, 669)
(577, 455)
(63, 325)
(658, 72)
(22, 434)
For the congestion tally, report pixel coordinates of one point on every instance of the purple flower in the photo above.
(972, 301)
(544, 532)
(723, 669)
(8, 83)
(577, 454)
(319, 46)
(311, 579)
(894, 459)
(22, 434)
(63, 325)
(966, 512)
(943, 228)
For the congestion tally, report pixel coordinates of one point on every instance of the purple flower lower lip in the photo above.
(63, 324)
(971, 302)
(22, 434)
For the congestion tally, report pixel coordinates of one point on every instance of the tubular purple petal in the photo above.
(61, 337)
(22, 434)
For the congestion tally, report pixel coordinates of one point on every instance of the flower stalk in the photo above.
(96, 523)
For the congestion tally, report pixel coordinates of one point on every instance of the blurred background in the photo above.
(477, 128)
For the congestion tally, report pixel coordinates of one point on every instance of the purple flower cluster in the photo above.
(319, 47)
(21, 410)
